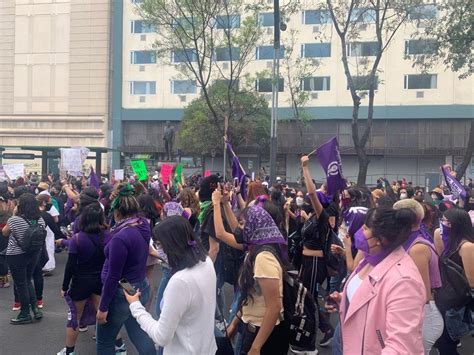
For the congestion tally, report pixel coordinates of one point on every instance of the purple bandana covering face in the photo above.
(260, 229)
(173, 209)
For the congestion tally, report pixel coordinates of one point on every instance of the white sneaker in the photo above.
(83, 329)
(63, 352)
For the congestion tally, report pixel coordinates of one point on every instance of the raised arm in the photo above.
(308, 180)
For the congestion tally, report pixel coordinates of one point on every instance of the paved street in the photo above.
(47, 336)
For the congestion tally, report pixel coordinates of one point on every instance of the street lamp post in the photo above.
(275, 89)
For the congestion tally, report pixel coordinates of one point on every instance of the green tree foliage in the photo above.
(248, 126)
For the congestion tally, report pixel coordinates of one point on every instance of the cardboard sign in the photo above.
(71, 159)
(118, 174)
(139, 168)
(166, 170)
(3, 176)
(14, 171)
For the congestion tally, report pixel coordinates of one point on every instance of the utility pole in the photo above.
(226, 127)
(275, 89)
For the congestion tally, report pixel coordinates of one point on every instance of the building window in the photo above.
(362, 49)
(226, 83)
(315, 17)
(315, 50)
(266, 19)
(183, 22)
(183, 87)
(140, 26)
(143, 57)
(363, 15)
(225, 54)
(316, 83)
(421, 81)
(226, 22)
(183, 56)
(266, 52)
(265, 85)
(422, 12)
(362, 82)
(137, 1)
(420, 46)
(143, 88)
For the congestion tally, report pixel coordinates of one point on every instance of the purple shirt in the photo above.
(81, 245)
(125, 257)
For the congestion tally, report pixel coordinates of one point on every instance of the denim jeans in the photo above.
(119, 315)
(22, 267)
(165, 277)
(433, 326)
(337, 340)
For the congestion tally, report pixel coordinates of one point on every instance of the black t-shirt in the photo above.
(315, 231)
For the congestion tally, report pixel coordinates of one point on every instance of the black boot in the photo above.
(38, 314)
(24, 317)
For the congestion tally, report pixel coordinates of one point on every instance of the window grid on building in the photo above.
(183, 87)
(420, 81)
(265, 85)
(316, 83)
(143, 88)
(315, 50)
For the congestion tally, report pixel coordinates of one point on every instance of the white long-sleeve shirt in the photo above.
(186, 324)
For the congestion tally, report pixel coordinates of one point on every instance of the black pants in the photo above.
(3, 266)
(22, 267)
(313, 272)
(276, 344)
(446, 345)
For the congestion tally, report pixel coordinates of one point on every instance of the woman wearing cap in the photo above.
(186, 324)
(125, 257)
(422, 251)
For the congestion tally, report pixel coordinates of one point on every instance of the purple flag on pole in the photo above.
(94, 180)
(454, 185)
(237, 171)
(330, 159)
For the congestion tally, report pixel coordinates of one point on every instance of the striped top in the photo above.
(18, 227)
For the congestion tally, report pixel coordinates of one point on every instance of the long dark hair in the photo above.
(92, 219)
(148, 208)
(176, 236)
(87, 196)
(461, 228)
(28, 207)
(392, 227)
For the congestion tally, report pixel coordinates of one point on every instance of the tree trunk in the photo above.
(363, 166)
(461, 170)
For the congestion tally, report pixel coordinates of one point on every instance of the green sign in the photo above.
(178, 173)
(139, 168)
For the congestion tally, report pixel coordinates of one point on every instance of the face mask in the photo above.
(362, 244)
(346, 201)
(299, 201)
(434, 197)
(445, 232)
(403, 196)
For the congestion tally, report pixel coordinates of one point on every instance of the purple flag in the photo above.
(330, 159)
(453, 185)
(237, 171)
(94, 180)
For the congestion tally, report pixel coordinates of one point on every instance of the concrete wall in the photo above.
(54, 68)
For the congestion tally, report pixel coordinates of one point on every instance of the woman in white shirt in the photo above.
(186, 324)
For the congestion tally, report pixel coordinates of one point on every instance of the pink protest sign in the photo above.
(207, 173)
(166, 170)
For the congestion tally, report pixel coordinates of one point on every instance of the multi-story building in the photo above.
(54, 76)
(421, 120)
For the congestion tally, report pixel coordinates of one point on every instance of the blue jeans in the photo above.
(119, 315)
(165, 277)
(337, 341)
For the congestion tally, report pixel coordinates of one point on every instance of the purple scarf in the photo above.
(260, 229)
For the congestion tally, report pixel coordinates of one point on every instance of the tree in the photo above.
(350, 17)
(250, 123)
(207, 41)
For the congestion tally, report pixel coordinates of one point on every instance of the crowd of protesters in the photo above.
(396, 262)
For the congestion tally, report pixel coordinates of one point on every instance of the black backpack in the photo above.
(455, 291)
(33, 238)
(300, 308)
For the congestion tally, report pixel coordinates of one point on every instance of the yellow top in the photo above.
(266, 267)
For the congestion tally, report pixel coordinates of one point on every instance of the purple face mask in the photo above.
(362, 244)
(445, 231)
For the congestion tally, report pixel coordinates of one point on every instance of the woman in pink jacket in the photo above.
(381, 307)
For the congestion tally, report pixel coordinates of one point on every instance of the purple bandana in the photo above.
(173, 209)
(260, 229)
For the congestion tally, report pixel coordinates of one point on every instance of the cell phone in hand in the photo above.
(127, 287)
(331, 302)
